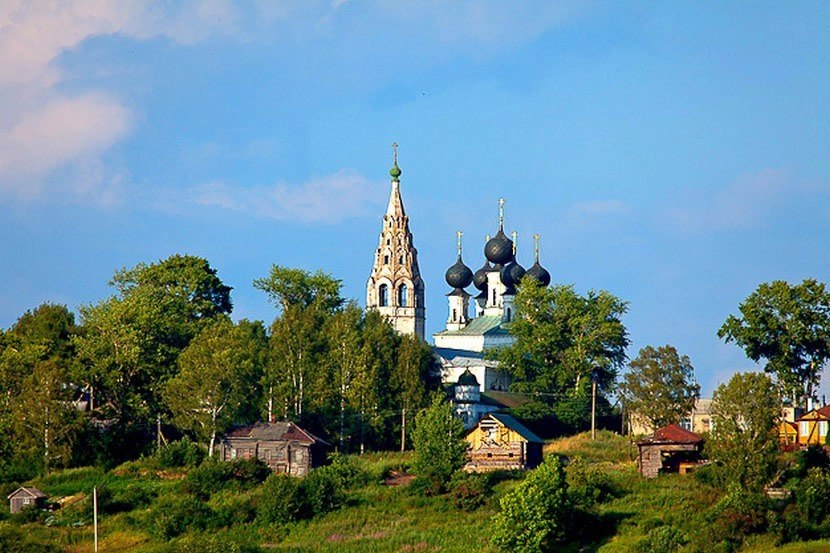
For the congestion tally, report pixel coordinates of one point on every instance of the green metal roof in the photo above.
(480, 326)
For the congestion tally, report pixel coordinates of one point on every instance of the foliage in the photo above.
(323, 490)
(172, 516)
(213, 476)
(740, 513)
(281, 500)
(660, 387)
(288, 287)
(743, 441)
(440, 448)
(18, 540)
(564, 341)
(219, 372)
(789, 327)
(663, 539)
(468, 492)
(535, 514)
(181, 453)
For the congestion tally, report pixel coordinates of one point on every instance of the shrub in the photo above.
(323, 490)
(281, 500)
(440, 448)
(213, 543)
(249, 472)
(212, 476)
(738, 514)
(348, 471)
(663, 539)
(183, 453)
(536, 513)
(131, 497)
(587, 485)
(18, 540)
(172, 516)
(468, 492)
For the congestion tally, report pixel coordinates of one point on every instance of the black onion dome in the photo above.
(539, 274)
(480, 278)
(467, 379)
(499, 249)
(511, 275)
(459, 275)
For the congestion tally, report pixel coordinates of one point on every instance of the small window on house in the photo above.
(233, 453)
(805, 428)
(383, 295)
(822, 428)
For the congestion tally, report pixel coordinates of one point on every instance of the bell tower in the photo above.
(395, 287)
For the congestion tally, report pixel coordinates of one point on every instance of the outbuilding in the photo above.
(26, 497)
(283, 446)
(669, 449)
(500, 442)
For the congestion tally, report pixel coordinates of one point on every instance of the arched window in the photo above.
(509, 315)
(386, 260)
(454, 315)
(403, 294)
(383, 295)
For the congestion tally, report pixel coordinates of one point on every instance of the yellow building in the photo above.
(500, 442)
(813, 426)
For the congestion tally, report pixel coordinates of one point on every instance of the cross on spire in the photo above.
(501, 213)
(395, 152)
(515, 238)
(459, 234)
(536, 241)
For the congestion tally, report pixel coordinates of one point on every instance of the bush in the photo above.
(183, 453)
(738, 514)
(213, 476)
(17, 540)
(172, 516)
(536, 514)
(212, 543)
(249, 472)
(281, 500)
(323, 490)
(348, 471)
(587, 485)
(132, 497)
(468, 492)
(440, 448)
(663, 539)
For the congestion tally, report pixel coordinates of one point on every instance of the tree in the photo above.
(536, 513)
(413, 378)
(219, 371)
(789, 327)
(564, 341)
(296, 287)
(371, 391)
(44, 418)
(343, 337)
(660, 386)
(743, 440)
(440, 447)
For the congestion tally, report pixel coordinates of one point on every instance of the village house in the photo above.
(26, 497)
(669, 449)
(698, 420)
(283, 446)
(812, 426)
(500, 442)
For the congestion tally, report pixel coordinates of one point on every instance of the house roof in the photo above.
(515, 426)
(485, 325)
(505, 399)
(280, 430)
(788, 425)
(672, 434)
(31, 492)
(822, 413)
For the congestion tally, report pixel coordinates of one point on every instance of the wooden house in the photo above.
(813, 426)
(26, 497)
(500, 442)
(668, 449)
(283, 446)
(787, 434)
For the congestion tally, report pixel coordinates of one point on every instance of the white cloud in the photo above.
(329, 199)
(42, 129)
(745, 203)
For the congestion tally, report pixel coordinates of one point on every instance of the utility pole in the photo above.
(593, 409)
(95, 514)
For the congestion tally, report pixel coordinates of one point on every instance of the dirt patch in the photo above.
(397, 478)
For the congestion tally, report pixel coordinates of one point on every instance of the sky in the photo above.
(672, 153)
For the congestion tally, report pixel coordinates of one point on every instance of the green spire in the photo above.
(395, 171)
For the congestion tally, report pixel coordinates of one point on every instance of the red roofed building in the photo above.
(283, 446)
(668, 449)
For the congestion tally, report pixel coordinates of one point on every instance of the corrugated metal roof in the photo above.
(516, 426)
(480, 326)
(281, 430)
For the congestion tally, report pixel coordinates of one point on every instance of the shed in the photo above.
(500, 442)
(283, 446)
(26, 497)
(668, 449)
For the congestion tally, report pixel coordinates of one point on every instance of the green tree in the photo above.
(564, 341)
(413, 378)
(536, 513)
(743, 441)
(296, 287)
(660, 386)
(343, 337)
(440, 447)
(789, 327)
(45, 420)
(219, 372)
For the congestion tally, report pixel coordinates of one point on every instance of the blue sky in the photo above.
(675, 154)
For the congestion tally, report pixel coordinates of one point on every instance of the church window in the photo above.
(400, 260)
(383, 295)
(454, 315)
(403, 293)
(494, 297)
(509, 314)
(386, 260)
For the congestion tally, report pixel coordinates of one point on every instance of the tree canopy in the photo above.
(660, 386)
(297, 287)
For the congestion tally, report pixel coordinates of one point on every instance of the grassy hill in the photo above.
(378, 513)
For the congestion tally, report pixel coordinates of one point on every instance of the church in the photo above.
(396, 289)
